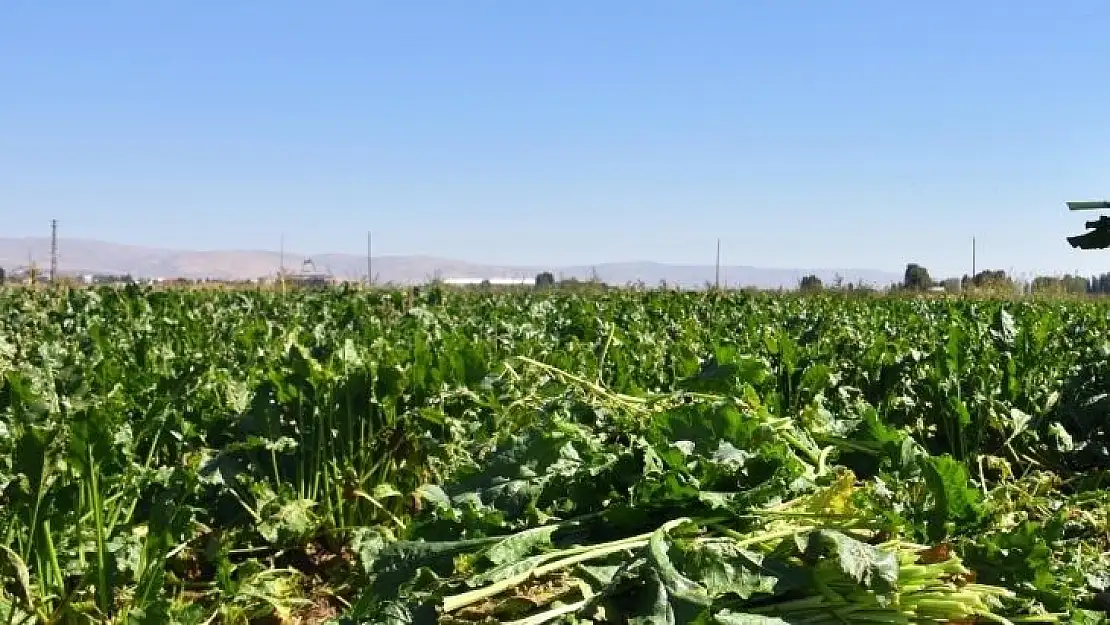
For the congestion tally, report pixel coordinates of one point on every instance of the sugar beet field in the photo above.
(346, 456)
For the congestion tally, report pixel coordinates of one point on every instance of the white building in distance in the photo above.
(491, 281)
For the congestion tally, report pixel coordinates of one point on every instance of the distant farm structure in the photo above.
(309, 275)
(489, 281)
(103, 278)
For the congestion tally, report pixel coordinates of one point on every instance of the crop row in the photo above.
(245, 456)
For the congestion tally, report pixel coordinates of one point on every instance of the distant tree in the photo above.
(1075, 284)
(1099, 284)
(810, 284)
(545, 279)
(917, 278)
(991, 278)
(3, 276)
(434, 295)
(861, 287)
(952, 285)
(1055, 284)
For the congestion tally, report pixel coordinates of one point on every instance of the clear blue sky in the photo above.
(854, 133)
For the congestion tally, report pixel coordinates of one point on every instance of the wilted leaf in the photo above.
(727, 617)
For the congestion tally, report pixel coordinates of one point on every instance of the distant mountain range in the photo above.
(80, 256)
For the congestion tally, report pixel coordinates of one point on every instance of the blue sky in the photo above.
(855, 133)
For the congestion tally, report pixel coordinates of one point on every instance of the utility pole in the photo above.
(53, 250)
(717, 271)
(281, 264)
(973, 268)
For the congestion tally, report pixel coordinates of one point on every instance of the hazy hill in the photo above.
(79, 256)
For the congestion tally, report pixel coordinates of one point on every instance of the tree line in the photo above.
(917, 278)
